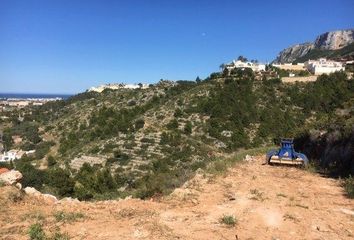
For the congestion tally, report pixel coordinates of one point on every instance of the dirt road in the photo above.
(268, 202)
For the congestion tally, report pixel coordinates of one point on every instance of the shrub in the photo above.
(51, 161)
(188, 128)
(178, 113)
(82, 193)
(147, 140)
(95, 149)
(68, 217)
(42, 149)
(173, 124)
(36, 232)
(139, 124)
(349, 186)
(61, 182)
(32, 176)
(60, 236)
(228, 220)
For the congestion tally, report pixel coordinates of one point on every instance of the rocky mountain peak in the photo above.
(334, 40)
(327, 41)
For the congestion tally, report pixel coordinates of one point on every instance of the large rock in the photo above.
(48, 198)
(31, 191)
(334, 40)
(11, 177)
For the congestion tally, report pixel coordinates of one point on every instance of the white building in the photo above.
(290, 66)
(9, 156)
(115, 86)
(256, 67)
(323, 65)
(14, 154)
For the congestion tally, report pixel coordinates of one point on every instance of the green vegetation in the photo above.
(228, 220)
(219, 166)
(349, 186)
(36, 232)
(257, 195)
(68, 217)
(153, 140)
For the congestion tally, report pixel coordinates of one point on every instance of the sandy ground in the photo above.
(269, 202)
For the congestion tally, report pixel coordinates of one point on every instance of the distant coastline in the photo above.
(33, 95)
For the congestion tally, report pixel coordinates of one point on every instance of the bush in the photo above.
(82, 193)
(60, 236)
(68, 217)
(349, 186)
(32, 177)
(147, 140)
(36, 232)
(173, 124)
(139, 124)
(178, 113)
(229, 220)
(188, 128)
(61, 182)
(51, 161)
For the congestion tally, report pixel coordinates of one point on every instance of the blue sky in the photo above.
(67, 46)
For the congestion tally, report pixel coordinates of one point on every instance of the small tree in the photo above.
(51, 161)
(178, 113)
(222, 66)
(139, 124)
(173, 124)
(61, 182)
(188, 128)
(242, 58)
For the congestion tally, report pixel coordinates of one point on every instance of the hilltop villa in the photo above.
(322, 65)
(256, 67)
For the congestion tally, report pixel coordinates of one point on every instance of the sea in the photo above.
(33, 95)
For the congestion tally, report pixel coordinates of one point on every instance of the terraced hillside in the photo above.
(146, 142)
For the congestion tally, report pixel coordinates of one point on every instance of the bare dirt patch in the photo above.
(268, 202)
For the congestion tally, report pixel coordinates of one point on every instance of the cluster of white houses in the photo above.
(115, 86)
(14, 154)
(316, 67)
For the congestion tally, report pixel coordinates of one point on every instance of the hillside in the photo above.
(347, 51)
(280, 202)
(333, 44)
(146, 142)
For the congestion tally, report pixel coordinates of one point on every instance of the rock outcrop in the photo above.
(48, 198)
(11, 177)
(327, 41)
(334, 40)
(292, 53)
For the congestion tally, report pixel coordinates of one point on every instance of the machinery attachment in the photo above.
(286, 154)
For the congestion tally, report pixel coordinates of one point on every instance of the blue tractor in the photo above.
(286, 154)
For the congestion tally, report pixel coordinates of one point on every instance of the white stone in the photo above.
(31, 191)
(11, 177)
(248, 158)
